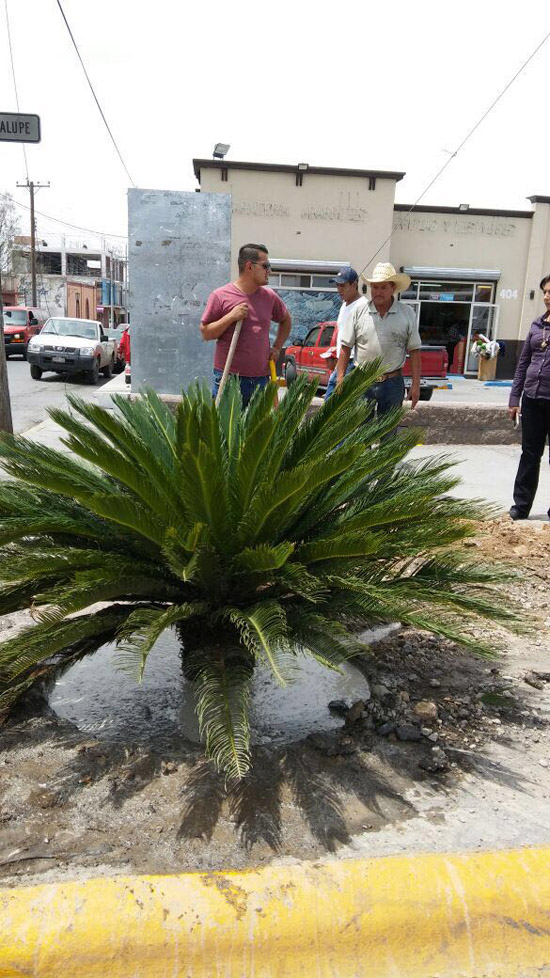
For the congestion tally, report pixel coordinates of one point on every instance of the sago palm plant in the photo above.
(259, 536)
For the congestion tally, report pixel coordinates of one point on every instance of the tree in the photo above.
(260, 536)
(9, 227)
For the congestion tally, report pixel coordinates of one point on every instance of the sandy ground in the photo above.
(450, 753)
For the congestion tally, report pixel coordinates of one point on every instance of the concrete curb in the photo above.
(482, 915)
(463, 424)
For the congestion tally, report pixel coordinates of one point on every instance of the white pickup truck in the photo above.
(71, 346)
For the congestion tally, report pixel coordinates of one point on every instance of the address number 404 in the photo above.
(508, 293)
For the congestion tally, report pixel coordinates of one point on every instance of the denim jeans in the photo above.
(247, 384)
(390, 393)
(331, 386)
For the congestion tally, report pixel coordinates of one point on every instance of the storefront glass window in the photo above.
(484, 293)
(446, 291)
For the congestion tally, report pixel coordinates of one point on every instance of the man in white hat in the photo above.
(385, 329)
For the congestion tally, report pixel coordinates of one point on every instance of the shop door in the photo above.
(483, 319)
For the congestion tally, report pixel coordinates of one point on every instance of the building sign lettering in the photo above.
(313, 213)
(455, 226)
(260, 208)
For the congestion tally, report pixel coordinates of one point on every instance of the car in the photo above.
(304, 357)
(118, 334)
(71, 346)
(20, 323)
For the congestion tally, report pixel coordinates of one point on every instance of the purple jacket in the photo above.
(532, 376)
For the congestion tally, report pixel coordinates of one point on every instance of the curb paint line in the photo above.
(481, 915)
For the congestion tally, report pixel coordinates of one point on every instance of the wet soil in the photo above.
(450, 751)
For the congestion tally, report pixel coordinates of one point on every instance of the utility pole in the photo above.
(31, 187)
(6, 423)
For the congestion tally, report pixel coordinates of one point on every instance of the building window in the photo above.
(290, 280)
(87, 308)
(83, 265)
(48, 262)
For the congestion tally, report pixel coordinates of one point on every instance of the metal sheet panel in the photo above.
(179, 250)
(452, 274)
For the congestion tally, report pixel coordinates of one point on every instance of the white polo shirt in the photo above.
(345, 310)
(387, 338)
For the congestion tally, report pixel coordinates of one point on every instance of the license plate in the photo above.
(58, 359)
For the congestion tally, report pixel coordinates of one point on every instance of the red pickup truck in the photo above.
(304, 356)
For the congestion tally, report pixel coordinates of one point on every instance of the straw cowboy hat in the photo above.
(385, 272)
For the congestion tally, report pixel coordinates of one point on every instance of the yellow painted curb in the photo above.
(453, 916)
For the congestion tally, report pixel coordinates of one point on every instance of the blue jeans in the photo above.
(247, 384)
(331, 386)
(390, 393)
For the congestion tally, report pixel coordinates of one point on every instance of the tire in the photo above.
(108, 370)
(93, 374)
(426, 393)
(36, 372)
(290, 373)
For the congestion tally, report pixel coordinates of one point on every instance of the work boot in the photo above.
(516, 514)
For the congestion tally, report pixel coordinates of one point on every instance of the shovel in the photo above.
(229, 360)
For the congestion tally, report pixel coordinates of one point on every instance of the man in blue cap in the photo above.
(347, 283)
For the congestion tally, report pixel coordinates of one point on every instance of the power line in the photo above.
(93, 92)
(15, 84)
(457, 150)
(58, 220)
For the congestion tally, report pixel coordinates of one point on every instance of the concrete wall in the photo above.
(77, 295)
(468, 241)
(327, 218)
(537, 267)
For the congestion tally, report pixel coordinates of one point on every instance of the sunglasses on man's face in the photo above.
(264, 264)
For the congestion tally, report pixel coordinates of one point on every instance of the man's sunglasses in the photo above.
(264, 264)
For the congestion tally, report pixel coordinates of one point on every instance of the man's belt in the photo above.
(388, 376)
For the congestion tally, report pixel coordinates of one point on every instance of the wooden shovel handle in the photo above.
(229, 360)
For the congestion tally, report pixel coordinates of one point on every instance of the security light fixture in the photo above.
(463, 207)
(44, 244)
(303, 166)
(220, 150)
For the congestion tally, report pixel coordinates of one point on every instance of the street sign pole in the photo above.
(15, 127)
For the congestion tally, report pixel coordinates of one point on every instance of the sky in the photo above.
(371, 86)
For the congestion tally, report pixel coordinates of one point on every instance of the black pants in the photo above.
(535, 427)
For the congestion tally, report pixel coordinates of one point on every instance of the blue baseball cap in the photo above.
(346, 274)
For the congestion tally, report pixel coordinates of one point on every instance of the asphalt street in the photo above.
(30, 399)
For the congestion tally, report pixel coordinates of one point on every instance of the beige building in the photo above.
(474, 268)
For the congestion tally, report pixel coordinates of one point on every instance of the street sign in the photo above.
(18, 128)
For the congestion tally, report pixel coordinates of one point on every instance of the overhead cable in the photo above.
(457, 150)
(67, 224)
(93, 93)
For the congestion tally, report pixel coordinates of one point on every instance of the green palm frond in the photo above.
(257, 535)
(222, 690)
(144, 626)
(263, 630)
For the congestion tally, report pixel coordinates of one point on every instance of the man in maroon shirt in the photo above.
(248, 299)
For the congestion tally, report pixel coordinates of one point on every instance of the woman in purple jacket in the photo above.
(532, 380)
